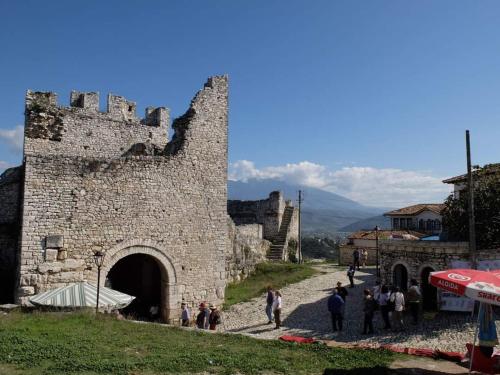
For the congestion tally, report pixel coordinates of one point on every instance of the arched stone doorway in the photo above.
(400, 276)
(143, 267)
(429, 293)
(138, 275)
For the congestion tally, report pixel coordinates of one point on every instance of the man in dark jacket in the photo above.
(335, 305)
(269, 304)
(369, 310)
(342, 291)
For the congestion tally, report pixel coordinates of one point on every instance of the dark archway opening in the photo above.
(400, 277)
(429, 293)
(138, 275)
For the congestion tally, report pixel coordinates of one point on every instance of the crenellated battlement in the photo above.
(118, 107)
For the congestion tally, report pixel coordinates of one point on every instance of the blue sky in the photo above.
(369, 99)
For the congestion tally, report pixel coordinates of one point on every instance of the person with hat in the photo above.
(185, 315)
(201, 317)
(342, 291)
(214, 318)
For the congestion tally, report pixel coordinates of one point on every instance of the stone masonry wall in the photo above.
(82, 130)
(245, 250)
(171, 205)
(268, 212)
(417, 255)
(10, 206)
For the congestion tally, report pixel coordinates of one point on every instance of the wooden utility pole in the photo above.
(300, 229)
(472, 220)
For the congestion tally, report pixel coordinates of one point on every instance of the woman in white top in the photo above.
(398, 299)
(277, 309)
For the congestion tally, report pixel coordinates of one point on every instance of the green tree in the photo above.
(487, 211)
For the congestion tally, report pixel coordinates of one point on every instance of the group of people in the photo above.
(391, 302)
(208, 316)
(360, 257)
(273, 306)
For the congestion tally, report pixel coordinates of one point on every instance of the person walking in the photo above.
(335, 306)
(364, 257)
(355, 258)
(350, 275)
(414, 296)
(398, 299)
(277, 304)
(214, 319)
(185, 314)
(368, 309)
(383, 302)
(269, 304)
(342, 291)
(201, 317)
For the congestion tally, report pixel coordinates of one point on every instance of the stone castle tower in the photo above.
(112, 182)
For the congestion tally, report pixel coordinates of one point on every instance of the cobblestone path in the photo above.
(305, 314)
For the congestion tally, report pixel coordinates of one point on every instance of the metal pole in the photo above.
(300, 229)
(472, 220)
(98, 286)
(376, 254)
(475, 336)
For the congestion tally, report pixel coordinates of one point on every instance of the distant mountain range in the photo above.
(323, 213)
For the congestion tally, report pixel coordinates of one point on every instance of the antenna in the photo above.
(472, 219)
(300, 229)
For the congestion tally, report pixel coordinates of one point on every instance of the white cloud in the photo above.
(385, 187)
(13, 138)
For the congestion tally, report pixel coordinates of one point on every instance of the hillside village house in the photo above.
(402, 261)
(424, 218)
(460, 182)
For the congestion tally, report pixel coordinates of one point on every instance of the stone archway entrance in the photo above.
(429, 293)
(138, 275)
(400, 277)
(143, 269)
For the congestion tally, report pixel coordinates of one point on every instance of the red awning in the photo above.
(482, 286)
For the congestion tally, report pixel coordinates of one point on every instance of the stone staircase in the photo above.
(277, 251)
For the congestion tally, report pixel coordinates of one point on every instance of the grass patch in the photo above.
(275, 274)
(51, 343)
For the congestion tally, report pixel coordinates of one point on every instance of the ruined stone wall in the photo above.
(267, 212)
(82, 130)
(10, 207)
(245, 250)
(173, 205)
(417, 255)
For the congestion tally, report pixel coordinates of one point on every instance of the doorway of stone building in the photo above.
(138, 275)
(429, 293)
(400, 277)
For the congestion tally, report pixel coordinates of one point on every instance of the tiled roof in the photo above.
(416, 209)
(487, 169)
(383, 234)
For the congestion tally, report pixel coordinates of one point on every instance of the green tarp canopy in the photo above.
(82, 294)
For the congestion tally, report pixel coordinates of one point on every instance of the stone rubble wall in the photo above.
(10, 207)
(82, 130)
(292, 235)
(268, 212)
(80, 199)
(245, 250)
(417, 255)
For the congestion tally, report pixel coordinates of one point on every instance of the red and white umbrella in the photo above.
(482, 286)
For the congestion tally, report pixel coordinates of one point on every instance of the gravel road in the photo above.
(305, 314)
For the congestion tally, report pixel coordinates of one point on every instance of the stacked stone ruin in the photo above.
(112, 182)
